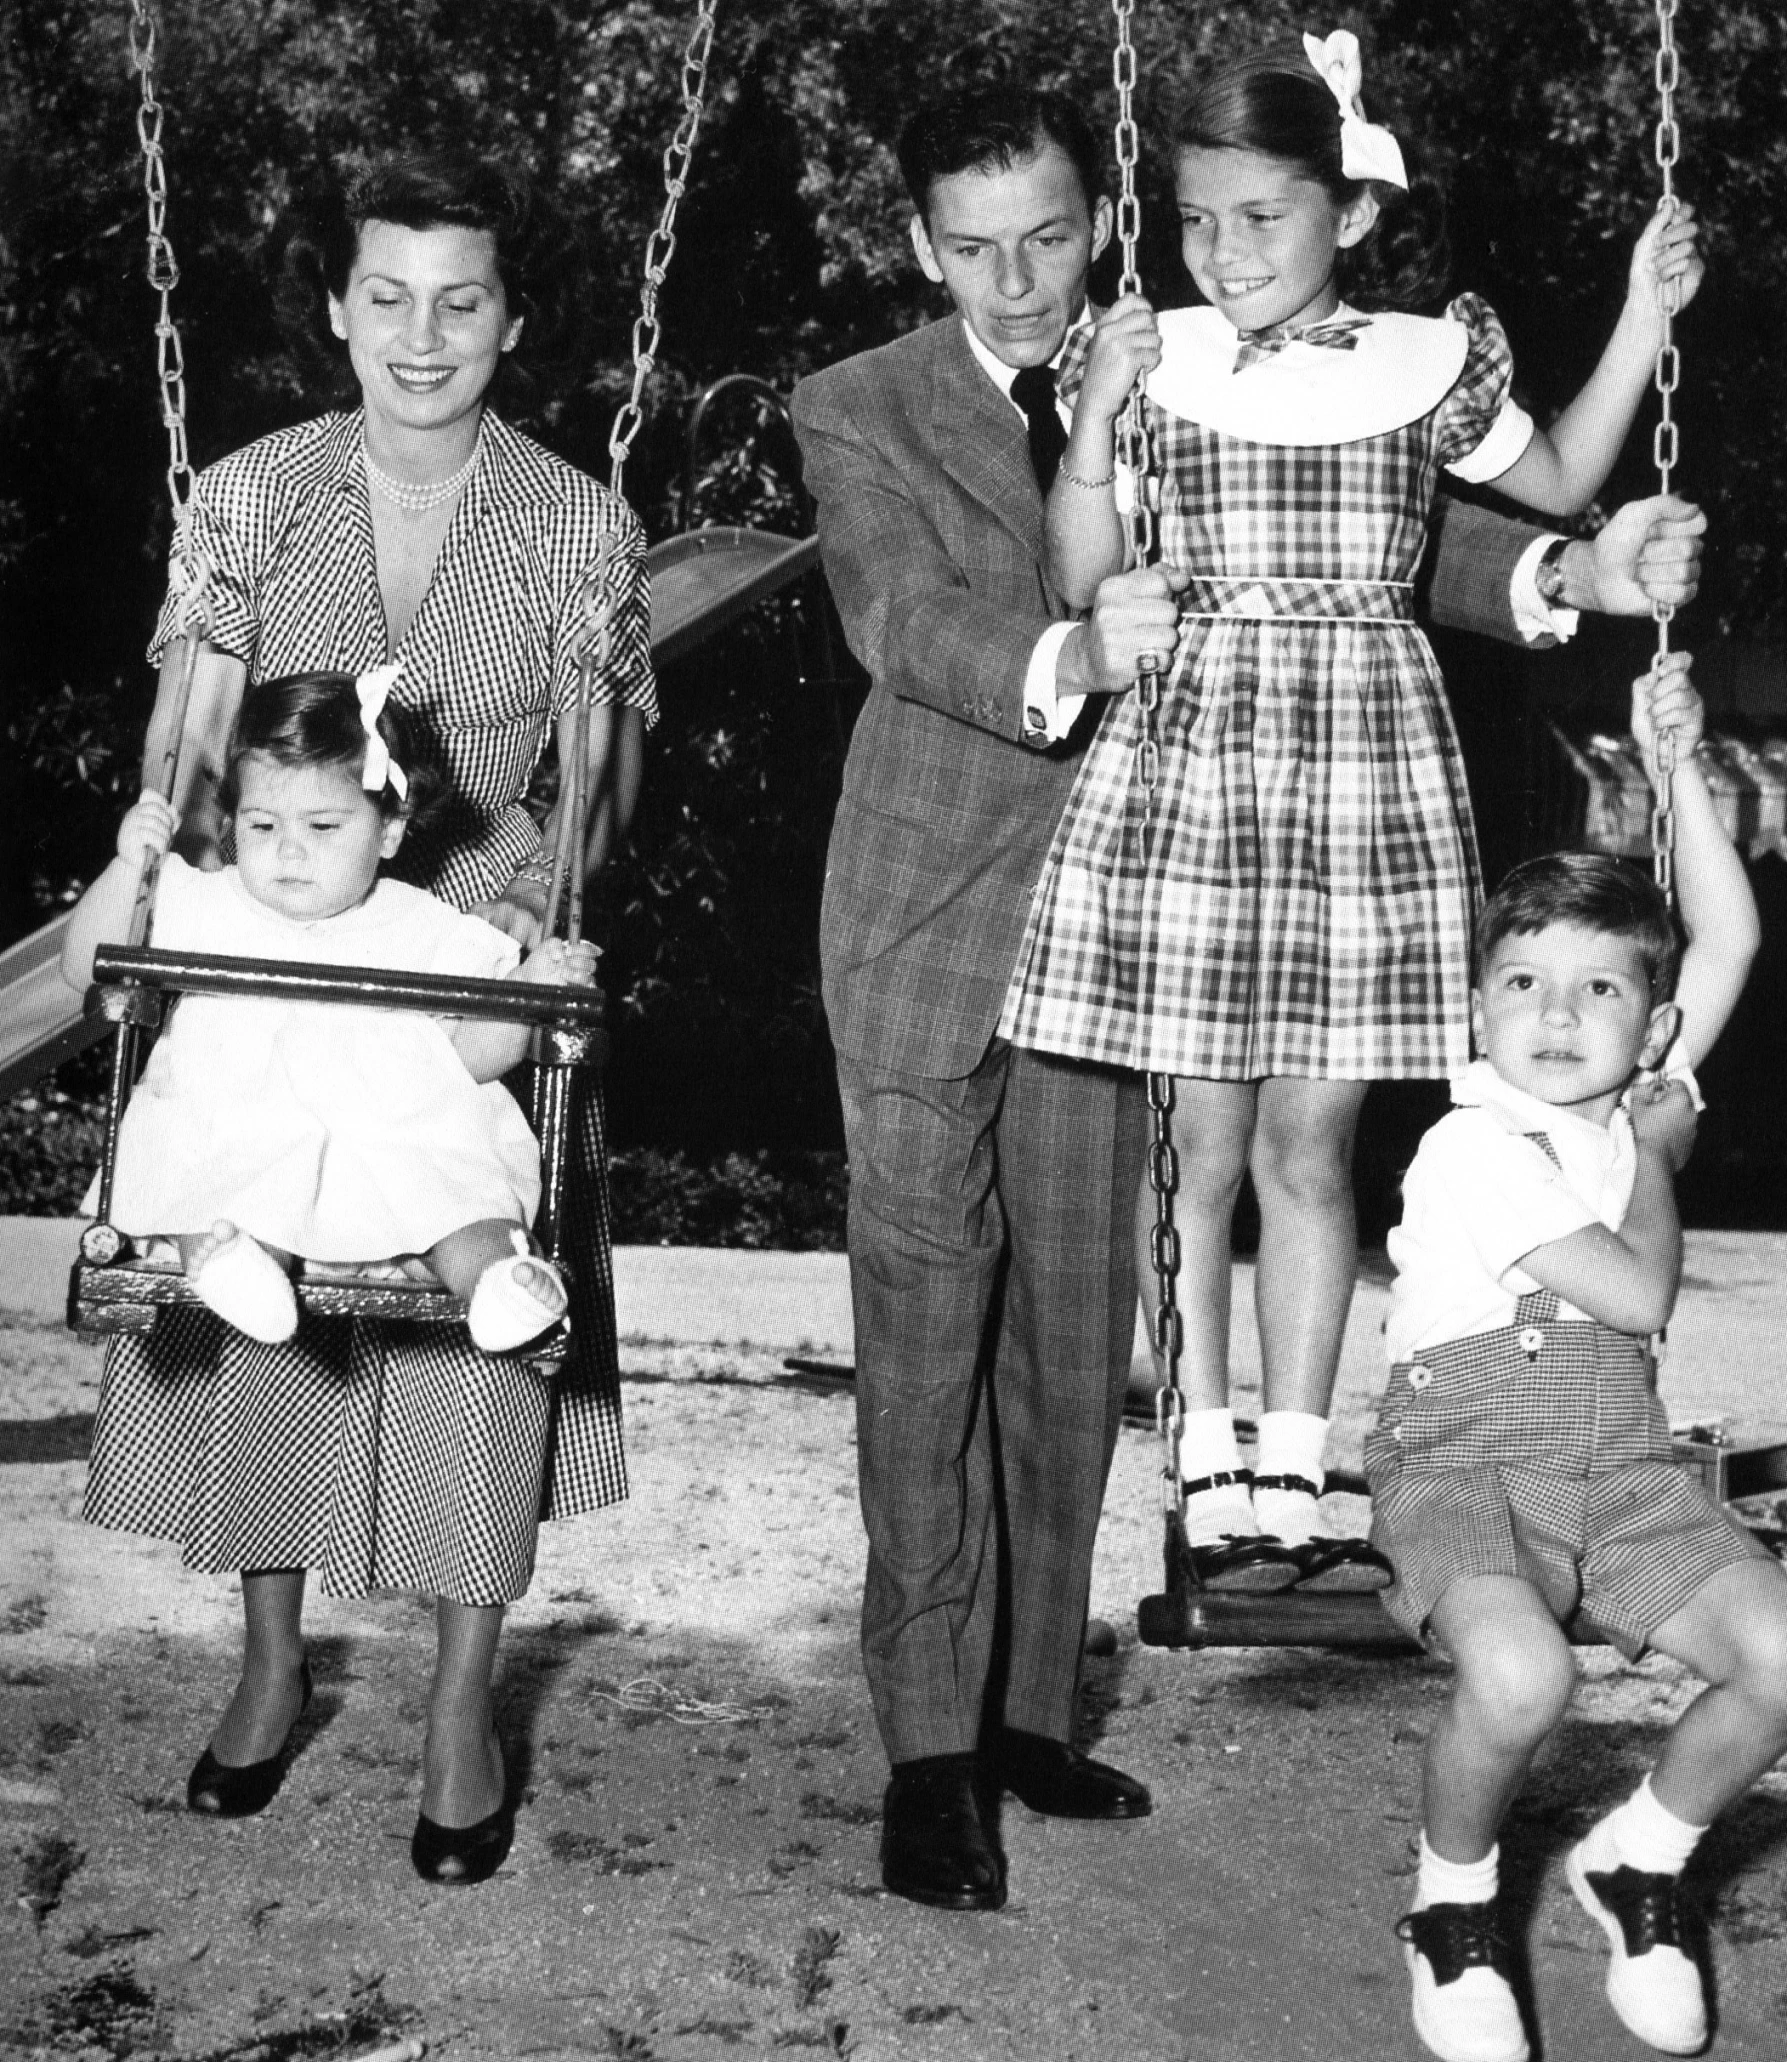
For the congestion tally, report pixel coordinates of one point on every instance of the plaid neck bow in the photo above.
(1257, 344)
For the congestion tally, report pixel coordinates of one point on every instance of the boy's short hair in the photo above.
(1595, 893)
(988, 127)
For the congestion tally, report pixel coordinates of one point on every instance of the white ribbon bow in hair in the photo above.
(1367, 150)
(374, 689)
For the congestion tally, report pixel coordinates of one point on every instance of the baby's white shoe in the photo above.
(1464, 2008)
(246, 1287)
(515, 1300)
(1653, 1986)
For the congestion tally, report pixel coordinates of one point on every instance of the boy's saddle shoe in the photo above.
(1464, 2005)
(934, 1846)
(1062, 1783)
(1651, 1983)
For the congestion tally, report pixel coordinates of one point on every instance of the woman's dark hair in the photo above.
(313, 719)
(539, 259)
(1276, 102)
(982, 128)
(1592, 892)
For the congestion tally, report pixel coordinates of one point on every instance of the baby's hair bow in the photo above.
(1367, 150)
(374, 689)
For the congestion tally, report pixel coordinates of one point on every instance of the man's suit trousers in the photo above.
(993, 1286)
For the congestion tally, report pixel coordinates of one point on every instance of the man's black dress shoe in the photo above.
(934, 1848)
(1062, 1783)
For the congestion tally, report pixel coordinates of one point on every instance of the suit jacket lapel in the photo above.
(980, 440)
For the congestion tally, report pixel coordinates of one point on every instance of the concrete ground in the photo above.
(694, 1872)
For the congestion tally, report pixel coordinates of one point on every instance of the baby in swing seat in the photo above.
(1521, 1466)
(264, 1130)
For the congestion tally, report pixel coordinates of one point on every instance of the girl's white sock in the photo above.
(1442, 1882)
(1207, 1447)
(1641, 1834)
(246, 1287)
(1291, 1443)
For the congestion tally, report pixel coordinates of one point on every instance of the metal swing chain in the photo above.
(660, 246)
(192, 568)
(597, 598)
(1136, 451)
(1665, 444)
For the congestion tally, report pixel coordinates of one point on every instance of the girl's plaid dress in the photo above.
(1304, 900)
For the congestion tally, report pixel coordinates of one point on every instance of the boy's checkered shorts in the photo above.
(1542, 1452)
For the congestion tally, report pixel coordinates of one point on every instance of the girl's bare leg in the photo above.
(1302, 1168)
(462, 1762)
(268, 1698)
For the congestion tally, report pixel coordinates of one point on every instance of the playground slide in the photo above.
(700, 583)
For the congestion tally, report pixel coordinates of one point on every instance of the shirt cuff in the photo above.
(1534, 618)
(1049, 716)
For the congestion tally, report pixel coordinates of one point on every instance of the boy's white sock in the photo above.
(1641, 1834)
(1207, 1447)
(1291, 1443)
(1439, 1881)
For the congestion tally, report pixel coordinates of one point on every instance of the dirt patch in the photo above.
(694, 1873)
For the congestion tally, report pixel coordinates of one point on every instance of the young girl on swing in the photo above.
(264, 1130)
(1296, 921)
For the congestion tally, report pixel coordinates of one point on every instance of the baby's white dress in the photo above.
(332, 1131)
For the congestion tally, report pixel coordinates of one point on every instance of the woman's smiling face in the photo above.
(425, 321)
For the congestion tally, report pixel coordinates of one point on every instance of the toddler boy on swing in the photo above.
(1520, 1469)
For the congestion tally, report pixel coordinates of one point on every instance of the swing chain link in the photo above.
(1135, 451)
(192, 569)
(1134, 444)
(660, 246)
(1665, 441)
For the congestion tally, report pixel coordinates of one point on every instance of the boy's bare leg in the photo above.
(1515, 1678)
(1733, 1635)
(269, 1696)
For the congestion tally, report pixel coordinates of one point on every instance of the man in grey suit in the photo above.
(992, 1189)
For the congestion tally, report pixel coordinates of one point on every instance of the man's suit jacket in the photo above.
(930, 528)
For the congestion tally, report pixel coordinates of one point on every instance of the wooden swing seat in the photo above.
(115, 1288)
(1185, 1615)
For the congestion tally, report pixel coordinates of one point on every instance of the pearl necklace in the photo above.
(417, 500)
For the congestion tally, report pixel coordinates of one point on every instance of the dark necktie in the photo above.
(1034, 392)
(1257, 344)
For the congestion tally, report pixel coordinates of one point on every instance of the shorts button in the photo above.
(1419, 1377)
(1396, 1434)
(1532, 1341)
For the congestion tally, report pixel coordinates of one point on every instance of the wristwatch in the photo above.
(1548, 574)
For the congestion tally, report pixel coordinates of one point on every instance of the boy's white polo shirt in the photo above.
(1481, 1194)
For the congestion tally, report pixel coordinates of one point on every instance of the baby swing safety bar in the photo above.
(570, 1021)
(1173, 1619)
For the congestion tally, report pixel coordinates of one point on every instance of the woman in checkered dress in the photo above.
(1283, 916)
(419, 526)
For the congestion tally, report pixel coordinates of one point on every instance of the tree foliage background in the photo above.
(791, 252)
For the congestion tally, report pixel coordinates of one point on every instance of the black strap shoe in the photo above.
(224, 1790)
(934, 1846)
(1062, 1783)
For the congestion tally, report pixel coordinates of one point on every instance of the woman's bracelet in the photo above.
(1080, 480)
(537, 869)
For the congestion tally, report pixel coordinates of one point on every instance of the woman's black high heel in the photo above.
(478, 1850)
(217, 1791)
